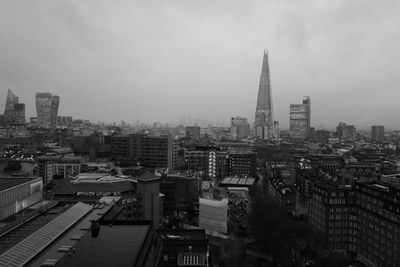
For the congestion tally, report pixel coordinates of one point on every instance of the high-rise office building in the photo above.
(10, 101)
(55, 102)
(377, 133)
(240, 128)
(47, 109)
(264, 117)
(300, 115)
(9, 111)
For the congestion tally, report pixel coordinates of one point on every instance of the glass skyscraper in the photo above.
(47, 109)
(264, 125)
(9, 109)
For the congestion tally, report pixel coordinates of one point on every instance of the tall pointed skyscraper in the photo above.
(9, 112)
(264, 125)
(10, 101)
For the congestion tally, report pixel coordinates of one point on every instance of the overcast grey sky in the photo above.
(107, 59)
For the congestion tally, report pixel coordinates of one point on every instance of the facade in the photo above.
(9, 108)
(17, 194)
(300, 115)
(217, 163)
(149, 151)
(64, 121)
(363, 219)
(213, 215)
(264, 127)
(345, 131)
(61, 166)
(25, 144)
(148, 189)
(377, 133)
(10, 101)
(181, 193)
(240, 128)
(211, 162)
(47, 109)
(183, 247)
(333, 215)
(241, 163)
(193, 131)
(19, 114)
(379, 223)
(94, 148)
(14, 112)
(68, 167)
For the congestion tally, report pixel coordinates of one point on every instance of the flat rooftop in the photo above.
(119, 245)
(10, 182)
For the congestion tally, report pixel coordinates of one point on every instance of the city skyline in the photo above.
(184, 120)
(342, 54)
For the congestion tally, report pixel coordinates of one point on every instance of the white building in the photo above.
(214, 215)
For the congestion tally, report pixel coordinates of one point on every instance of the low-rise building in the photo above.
(150, 151)
(214, 215)
(59, 165)
(17, 194)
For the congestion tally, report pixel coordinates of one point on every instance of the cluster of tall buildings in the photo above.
(14, 112)
(265, 127)
(46, 107)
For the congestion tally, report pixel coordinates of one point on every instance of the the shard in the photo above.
(264, 125)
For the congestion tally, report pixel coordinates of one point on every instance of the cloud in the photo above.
(168, 58)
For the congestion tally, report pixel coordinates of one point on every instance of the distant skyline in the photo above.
(111, 60)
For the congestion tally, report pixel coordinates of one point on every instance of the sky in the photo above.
(159, 60)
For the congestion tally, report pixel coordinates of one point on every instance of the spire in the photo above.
(264, 100)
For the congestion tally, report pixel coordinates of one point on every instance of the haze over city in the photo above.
(110, 61)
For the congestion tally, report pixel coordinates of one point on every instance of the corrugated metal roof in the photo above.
(24, 251)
